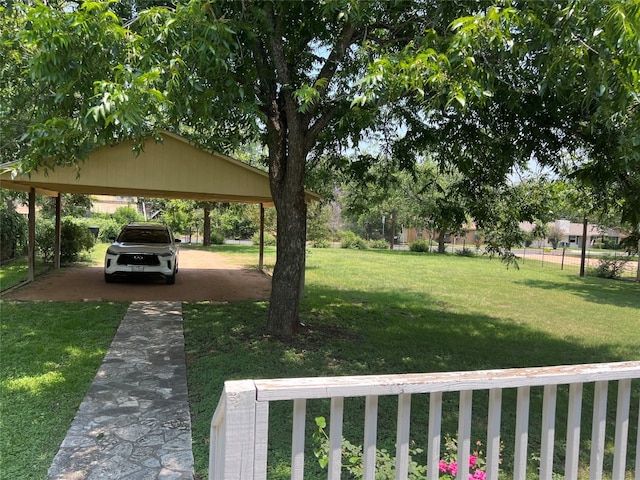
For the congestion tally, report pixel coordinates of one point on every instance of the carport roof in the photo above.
(173, 168)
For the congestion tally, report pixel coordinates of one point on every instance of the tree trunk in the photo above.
(441, 246)
(287, 157)
(206, 226)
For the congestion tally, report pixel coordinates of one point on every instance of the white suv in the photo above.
(143, 249)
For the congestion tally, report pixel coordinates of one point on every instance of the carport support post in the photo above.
(261, 256)
(31, 248)
(57, 241)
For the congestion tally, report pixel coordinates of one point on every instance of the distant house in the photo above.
(410, 235)
(573, 234)
(109, 204)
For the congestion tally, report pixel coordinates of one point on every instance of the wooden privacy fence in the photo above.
(239, 428)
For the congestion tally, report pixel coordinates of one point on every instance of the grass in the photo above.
(50, 355)
(365, 312)
(376, 312)
(17, 271)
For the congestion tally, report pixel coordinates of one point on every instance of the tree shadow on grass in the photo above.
(362, 333)
(593, 289)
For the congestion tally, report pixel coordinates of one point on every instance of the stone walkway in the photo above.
(134, 423)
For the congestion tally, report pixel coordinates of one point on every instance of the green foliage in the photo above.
(420, 246)
(352, 461)
(45, 235)
(321, 243)
(269, 240)
(179, 215)
(380, 244)
(109, 229)
(75, 240)
(217, 238)
(466, 252)
(611, 268)
(51, 352)
(13, 233)
(125, 215)
(318, 216)
(372, 313)
(71, 205)
(351, 240)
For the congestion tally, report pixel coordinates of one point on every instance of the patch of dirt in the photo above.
(203, 276)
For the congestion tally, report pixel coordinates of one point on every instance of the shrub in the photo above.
(351, 240)
(75, 239)
(419, 246)
(380, 244)
(608, 268)
(269, 240)
(108, 229)
(13, 233)
(466, 252)
(45, 233)
(126, 215)
(320, 243)
(217, 238)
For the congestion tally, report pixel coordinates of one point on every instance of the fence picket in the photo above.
(574, 417)
(297, 441)
(239, 427)
(493, 433)
(464, 434)
(435, 435)
(335, 437)
(598, 430)
(402, 439)
(622, 428)
(522, 433)
(548, 431)
(370, 437)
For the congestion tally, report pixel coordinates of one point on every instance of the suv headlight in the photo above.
(168, 253)
(111, 251)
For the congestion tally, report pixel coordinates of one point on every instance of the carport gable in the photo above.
(172, 168)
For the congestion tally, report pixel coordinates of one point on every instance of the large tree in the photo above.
(491, 86)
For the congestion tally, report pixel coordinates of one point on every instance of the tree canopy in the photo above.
(486, 86)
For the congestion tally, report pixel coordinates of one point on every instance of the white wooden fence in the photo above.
(239, 428)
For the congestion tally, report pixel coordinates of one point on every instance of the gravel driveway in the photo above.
(203, 276)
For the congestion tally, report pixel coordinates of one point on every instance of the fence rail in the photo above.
(239, 428)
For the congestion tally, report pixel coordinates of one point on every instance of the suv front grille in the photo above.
(138, 259)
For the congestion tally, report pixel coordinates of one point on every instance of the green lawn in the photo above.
(365, 312)
(50, 353)
(373, 312)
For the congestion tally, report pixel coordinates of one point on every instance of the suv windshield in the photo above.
(140, 235)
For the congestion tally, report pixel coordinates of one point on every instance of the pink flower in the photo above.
(478, 475)
(443, 466)
(453, 468)
(472, 460)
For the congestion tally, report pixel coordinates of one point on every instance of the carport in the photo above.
(172, 168)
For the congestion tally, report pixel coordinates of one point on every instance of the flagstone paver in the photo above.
(134, 423)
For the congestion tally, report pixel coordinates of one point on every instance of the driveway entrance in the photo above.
(203, 276)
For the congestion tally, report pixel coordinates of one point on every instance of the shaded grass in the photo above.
(16, 271)
(50, 354)
(377, 312)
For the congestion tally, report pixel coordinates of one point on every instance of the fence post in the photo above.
(233, 433)
(543, 256)
(564, 249)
